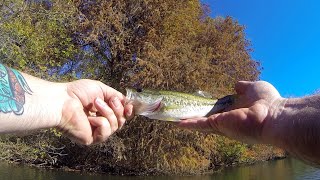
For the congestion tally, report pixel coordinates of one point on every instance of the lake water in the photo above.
(286, 169)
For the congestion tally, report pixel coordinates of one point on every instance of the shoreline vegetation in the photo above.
(168, 45)
(166, 152)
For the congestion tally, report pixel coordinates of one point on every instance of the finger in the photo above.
(195, 123)
(228, 123)
(109, 92)
(76, 127)
(233, 124)
(242, 86)
(102, 129)
(128, 110)
(118, 110)
(107, 112)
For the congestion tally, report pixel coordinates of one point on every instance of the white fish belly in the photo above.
(181, 113)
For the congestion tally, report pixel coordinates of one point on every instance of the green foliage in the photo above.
(36, 39)
(230, 151)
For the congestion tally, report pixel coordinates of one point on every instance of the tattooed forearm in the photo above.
(13, 87)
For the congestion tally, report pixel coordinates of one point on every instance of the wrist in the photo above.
(46, 103)
(58, 100)
(296, 128)
(274, 126)
(30, 103)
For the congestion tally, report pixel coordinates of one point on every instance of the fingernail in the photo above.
(129, 112)
(116, 102)
(100, 102)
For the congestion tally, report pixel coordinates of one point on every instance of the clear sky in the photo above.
(285, 36)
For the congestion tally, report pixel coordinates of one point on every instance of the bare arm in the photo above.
(295, 126)
(261, 115)
(28, 103)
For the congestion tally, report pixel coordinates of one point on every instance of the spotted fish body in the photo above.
(174, 106)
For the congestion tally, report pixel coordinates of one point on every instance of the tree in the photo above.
(172, 45)
(36, 35)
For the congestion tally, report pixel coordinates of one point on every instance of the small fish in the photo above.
(175, 106)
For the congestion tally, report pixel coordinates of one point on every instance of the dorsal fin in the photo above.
(203, 94)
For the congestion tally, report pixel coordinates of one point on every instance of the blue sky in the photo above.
(285, 36)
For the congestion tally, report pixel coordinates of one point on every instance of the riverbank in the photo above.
(151, 149)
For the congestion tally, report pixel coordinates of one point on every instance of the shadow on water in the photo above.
(286, 169)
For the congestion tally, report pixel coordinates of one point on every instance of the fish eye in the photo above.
(139, 90)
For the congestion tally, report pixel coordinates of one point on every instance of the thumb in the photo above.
(242, 86)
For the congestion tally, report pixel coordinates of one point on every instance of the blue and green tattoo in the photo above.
(13, 87)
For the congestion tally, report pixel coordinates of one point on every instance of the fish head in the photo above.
(145, 96)
(145, 102)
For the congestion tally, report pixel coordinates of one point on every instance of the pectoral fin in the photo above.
(151, 107)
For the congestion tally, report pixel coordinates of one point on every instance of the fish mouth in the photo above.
(226, 101)
(222, 104)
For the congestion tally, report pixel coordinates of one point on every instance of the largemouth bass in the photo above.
(174, 106)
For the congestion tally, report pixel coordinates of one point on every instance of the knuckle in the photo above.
(85, 141)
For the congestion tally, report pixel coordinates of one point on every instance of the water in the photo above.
(286, 169)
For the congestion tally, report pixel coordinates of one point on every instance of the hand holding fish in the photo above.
(247, 118)
(87, 111)
(92, 112)
(261, 115)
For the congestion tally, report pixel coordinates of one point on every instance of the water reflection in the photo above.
(283, 169)
(287, 169)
